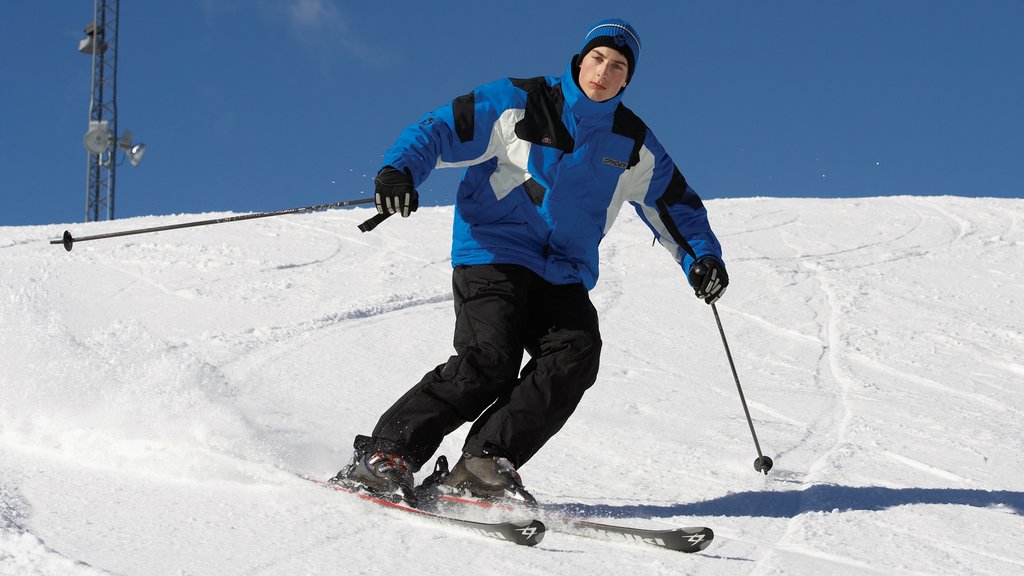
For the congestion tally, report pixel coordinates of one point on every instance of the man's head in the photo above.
(603, 73)
(615, 39)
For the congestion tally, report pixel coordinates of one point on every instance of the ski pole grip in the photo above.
(371, 223)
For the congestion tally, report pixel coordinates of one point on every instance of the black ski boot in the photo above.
(381, 474)
(488, 478)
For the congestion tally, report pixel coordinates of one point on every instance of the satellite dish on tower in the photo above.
(98, 139)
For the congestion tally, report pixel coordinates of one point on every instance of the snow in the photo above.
(160, 393)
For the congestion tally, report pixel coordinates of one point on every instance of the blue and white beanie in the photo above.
(618, 34)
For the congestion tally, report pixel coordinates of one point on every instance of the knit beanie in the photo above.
(617, 34)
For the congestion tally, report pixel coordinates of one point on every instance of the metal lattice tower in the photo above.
(101, 43)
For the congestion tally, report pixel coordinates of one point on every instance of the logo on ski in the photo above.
(528, 532)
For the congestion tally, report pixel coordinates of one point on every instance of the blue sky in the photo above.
(254, 105)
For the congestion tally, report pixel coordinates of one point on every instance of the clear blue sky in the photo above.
(254, 105)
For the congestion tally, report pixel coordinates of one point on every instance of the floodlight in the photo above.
(132, 150)
(135, 153)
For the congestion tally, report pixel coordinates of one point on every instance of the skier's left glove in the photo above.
(709, 279)
(394, 193)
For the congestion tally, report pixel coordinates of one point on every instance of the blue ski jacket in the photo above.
(548, 170)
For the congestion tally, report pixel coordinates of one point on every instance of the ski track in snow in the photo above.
(159, 393)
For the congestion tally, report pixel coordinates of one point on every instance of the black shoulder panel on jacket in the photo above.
(628, 124)
(542, 123)
(463, 111)
(529, 84)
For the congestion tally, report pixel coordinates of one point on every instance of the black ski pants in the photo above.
(501, 311)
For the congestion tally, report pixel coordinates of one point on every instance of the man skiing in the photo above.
(549, 163)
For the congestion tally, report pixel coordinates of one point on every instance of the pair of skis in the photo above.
(530, 531)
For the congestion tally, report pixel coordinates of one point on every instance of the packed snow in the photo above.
(161, 396)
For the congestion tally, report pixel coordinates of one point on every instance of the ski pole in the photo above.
(68, 240)
(762, 463)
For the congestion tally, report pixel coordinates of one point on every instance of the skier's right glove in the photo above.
(709, 279)
(394, 193)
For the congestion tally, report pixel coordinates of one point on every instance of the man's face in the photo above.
(603, 73)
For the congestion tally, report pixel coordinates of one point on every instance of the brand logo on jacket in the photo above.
(616, 163)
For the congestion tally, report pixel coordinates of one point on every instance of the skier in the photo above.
(550, 161)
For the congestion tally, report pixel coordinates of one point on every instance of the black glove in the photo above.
(709, 279)
(394, 193)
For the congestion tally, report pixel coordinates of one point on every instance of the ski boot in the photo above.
(384, 475)
(488, 478)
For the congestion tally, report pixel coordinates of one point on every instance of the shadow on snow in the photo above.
(818, 498)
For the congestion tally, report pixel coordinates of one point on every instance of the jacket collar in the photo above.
(578, 102)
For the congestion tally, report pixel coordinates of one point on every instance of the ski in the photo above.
(686, 539)
(525, 532)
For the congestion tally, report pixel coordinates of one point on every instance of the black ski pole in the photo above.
(762, 463)
(68, 240)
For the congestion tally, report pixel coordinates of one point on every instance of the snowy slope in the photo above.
(159, 393)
